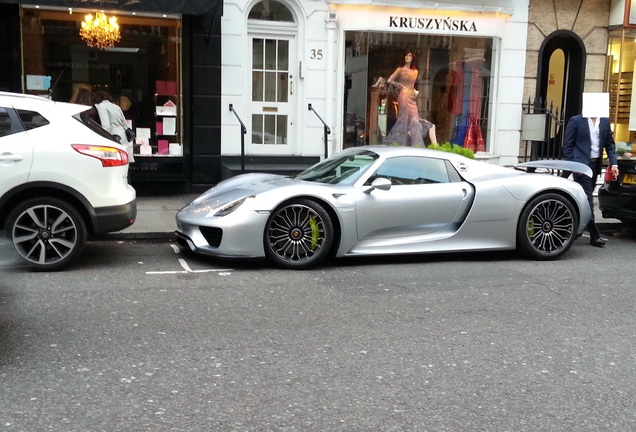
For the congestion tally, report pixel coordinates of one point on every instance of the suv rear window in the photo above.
(94, 126)
(5, 123)
(31, 119)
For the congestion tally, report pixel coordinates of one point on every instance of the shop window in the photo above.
(450, 97)
(141, 72)
(271, 10)
(621, 64)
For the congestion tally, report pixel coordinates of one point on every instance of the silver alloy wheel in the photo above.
(45, 235)
(550, 226)
(298, 235)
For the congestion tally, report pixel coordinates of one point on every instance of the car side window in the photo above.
(413, 170)
(5, 123)
(31, 119)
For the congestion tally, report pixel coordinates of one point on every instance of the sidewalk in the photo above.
(156, 218)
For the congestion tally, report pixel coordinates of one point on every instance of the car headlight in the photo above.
(228, 208)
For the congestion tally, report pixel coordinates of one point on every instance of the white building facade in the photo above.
(290, 67)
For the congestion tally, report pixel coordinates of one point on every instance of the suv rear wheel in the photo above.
(48, 233)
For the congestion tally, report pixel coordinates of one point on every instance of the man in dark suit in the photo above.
(585, 140)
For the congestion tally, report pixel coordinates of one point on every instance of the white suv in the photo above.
(62, 178)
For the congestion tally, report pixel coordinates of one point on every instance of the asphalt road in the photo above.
(139, 337)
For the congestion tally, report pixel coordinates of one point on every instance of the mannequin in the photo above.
(408, 130)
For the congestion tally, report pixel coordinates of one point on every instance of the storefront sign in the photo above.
(422, 23)
(191, 7)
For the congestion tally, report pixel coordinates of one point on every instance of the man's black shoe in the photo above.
(597, 242)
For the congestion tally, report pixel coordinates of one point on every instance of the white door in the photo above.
(16, 152)
(272, 95)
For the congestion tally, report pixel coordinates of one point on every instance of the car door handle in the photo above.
(11, 157)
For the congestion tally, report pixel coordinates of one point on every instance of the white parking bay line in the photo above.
(187, 269)
(222, 272)
(185, 265)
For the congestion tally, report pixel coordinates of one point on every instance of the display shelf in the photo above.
(621, 96)
(164, 139)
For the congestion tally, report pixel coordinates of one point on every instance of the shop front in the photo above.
(448, 89)
(292, 67)
(145, 55)
(451, 86)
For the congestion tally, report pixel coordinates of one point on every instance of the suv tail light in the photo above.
(109, 156)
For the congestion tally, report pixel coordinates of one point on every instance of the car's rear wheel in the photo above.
(48, 233)
(298, 235)
(547, 227)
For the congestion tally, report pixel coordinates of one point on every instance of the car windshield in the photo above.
(339, 169)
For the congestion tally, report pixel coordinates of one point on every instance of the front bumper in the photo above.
(239, 235)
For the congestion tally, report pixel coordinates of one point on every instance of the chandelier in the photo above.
(100, 31)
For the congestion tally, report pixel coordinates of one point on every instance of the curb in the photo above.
(139, 236)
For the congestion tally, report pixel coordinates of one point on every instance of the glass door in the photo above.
(272, 97)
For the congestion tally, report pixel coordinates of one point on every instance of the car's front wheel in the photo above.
(48, 233)
(298, 235)
(547, 227)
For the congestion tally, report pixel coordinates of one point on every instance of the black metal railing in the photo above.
(243, 133)
(326, 130)
(551, 144)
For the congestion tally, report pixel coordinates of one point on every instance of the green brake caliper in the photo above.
(314, 233)
(531, 227)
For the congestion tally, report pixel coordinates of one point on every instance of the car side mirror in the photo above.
(380, 183)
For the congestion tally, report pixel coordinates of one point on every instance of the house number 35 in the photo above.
(315, 54)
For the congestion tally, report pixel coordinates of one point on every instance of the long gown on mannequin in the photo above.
(407, 130)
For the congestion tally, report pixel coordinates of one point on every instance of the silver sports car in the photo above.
(388, 200)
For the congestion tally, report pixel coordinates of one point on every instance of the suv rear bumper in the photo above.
(617, 202)
(115, 218)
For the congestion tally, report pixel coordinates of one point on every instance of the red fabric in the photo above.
(474, 138)
(480, 146)
(469, 141)
(456, 89)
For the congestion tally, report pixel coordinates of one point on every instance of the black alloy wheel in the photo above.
(547, 227)
(47, 233)
(298, 235)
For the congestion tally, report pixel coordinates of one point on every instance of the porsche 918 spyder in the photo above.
(383, 200)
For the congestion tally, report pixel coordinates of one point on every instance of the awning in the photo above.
(189, 7)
